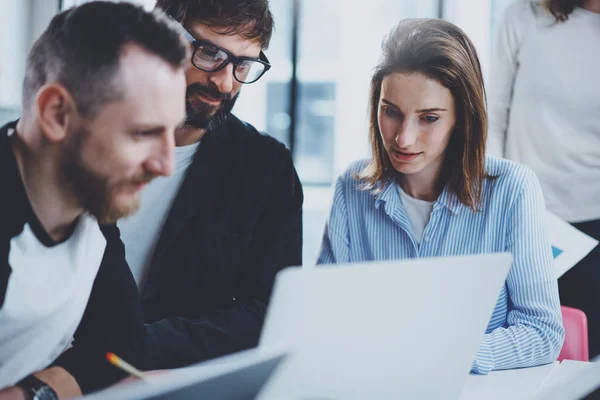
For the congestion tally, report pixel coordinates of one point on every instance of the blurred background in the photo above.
(314, 99)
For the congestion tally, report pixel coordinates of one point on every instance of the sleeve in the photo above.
(516, 20)
(277, 243)
(534, 333)
(112, 322)
(335, 247)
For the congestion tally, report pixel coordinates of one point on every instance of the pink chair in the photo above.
(575, 346)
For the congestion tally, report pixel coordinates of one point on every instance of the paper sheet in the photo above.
(514, 384)
(569, 245)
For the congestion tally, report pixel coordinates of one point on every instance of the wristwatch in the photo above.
(36, 389)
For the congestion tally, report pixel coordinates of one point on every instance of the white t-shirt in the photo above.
(141, 231)
(418, 212)
(47, 293)
(544, 104)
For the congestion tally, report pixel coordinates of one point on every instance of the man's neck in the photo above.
(187, 135)
(56, 207)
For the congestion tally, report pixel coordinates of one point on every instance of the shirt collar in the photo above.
(389, 195)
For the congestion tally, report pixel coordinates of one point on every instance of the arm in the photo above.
(111, 322)
(535, 332)
(335, 247)
(511, 30)
(276, 243)
(63, 383)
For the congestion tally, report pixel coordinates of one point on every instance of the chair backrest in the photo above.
(575, 346)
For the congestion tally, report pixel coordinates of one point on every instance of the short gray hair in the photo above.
(81, 49)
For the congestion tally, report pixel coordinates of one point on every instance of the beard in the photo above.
(200, 115)
(97, 193)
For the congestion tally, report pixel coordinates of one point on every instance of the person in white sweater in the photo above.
(544, 109)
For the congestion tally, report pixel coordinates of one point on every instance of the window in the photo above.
(148, 4)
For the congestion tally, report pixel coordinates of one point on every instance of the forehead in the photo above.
(234, 43)
(415, 90)
(153, 91)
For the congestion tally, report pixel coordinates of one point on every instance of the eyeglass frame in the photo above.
(231, 58)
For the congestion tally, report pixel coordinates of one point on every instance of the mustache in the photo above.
(145, 177)
(198, 88)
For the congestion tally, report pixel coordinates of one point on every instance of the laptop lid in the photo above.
(396, 329)
(583, 382)
(235, 377)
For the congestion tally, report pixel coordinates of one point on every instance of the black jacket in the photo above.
(236, 221)
(112, 320)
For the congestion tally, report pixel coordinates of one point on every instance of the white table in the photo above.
(520, 384)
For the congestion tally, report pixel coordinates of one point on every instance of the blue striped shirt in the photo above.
(526, 326)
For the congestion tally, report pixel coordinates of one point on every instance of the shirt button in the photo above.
(426, 238)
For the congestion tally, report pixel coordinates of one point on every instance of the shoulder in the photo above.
(522, 15)
(255, 143)
(511, 177)
(350, 187)
(523, 10)
(350, 175)
(262, 162)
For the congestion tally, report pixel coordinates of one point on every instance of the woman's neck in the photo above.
(420, 187)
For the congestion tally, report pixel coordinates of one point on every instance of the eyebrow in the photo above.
(148, 128)
(424, 110)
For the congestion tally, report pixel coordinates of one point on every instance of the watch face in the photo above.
(44, 393)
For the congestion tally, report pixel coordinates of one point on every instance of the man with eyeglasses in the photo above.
(208, 240)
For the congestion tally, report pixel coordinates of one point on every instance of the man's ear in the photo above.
(55, 111)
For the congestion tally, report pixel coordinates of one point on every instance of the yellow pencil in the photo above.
(125, 366)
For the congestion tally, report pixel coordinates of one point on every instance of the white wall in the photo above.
(14, 31)
(21, 22)
(474, 17)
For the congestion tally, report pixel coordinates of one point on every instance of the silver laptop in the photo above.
(236, 377)
(583, 383)
(381, 330)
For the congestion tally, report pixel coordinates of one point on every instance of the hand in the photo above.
(148, 374)
(12, 393)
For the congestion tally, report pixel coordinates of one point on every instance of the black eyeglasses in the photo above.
(208, 57)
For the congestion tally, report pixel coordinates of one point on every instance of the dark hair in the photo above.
(81, 49)
(249, 18)
(561, 9)
(441, 51)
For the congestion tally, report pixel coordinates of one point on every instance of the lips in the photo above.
(404, 156)
(210, 99)
(205, 93)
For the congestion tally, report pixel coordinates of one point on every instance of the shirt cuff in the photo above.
(484, 360)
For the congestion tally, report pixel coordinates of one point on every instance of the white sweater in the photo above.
(544, 104)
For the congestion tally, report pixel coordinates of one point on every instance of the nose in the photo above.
(162, 162)
(223, 78)
(407, 134)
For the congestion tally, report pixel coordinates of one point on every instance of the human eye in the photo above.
(245, 65)
(209, 53)
(146, 133)
(430, 119)
(390, 112)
